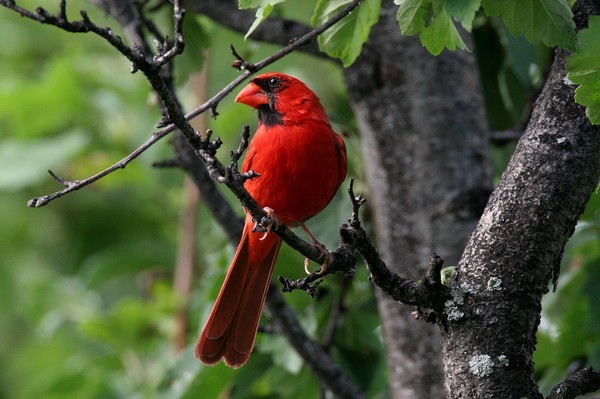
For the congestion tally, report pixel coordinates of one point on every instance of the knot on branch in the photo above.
(209, 147)
(231, 174)
(240, 63)
(288, 285)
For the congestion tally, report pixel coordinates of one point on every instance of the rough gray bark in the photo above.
(425, 149)
(516, 249)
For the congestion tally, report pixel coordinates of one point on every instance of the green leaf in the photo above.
(442, 34)
(264, 8)
(584, 69)
(245, 4)
(541, 21)
(463, 11)
(261, 14)
(345, 39)
(413, 15)
(429, 19)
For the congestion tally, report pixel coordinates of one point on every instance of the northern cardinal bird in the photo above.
(301, 162)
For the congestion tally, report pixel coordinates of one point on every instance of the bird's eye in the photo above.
(274, 82)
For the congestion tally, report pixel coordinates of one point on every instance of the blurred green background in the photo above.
(88, 308)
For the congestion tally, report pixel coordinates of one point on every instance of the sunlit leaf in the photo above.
(245, 4)
(441, 34)
(429, 20)
(263, 10)
(261, 14)
(345, 39)
(414, 15)
(462, 11)
(584, 69)
(541, 21)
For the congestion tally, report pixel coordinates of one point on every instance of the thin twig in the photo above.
(85, 25)
(147, 23)
(428, 292)
(78, 184)
(178, 46)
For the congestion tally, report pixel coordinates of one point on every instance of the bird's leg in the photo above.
(266, 227)
(325, 254)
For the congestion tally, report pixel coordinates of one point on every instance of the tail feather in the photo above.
(231, 327)
(253, 299)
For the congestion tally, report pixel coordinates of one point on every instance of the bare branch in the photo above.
(166, 54)
(240, 63)
(272, 30)
(581, 382)
(150, 69)
(429, 292)
(326, 370)
(74, 185)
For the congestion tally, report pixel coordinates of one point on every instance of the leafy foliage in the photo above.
(541, 21)
(263, 10)
(346, 38)
(463, 11)
(584, 69)
(431, 21)
(511, 72)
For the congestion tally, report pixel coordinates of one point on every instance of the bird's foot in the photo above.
(327, 260)
(265, 225)
(325, 255)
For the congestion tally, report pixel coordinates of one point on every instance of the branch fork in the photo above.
(173, 118)
(240, 63)
(352, 236)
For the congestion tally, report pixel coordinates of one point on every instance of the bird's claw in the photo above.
(327, 261)
(265, 226)
(325, 255)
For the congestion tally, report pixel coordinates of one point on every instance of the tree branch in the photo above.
(428, 292)
(326, 370)
(203, 147)
(272, 30)
(150, 70)
(581, 382)
(516, 249)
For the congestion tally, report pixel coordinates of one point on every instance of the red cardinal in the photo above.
(301, 162)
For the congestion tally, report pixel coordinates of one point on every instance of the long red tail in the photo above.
(231, 327)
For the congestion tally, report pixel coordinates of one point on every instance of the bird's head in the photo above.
(281, 100)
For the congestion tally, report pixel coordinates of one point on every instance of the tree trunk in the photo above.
(517, 247)
(425, 149)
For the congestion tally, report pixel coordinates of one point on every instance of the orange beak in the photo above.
(252, 95)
